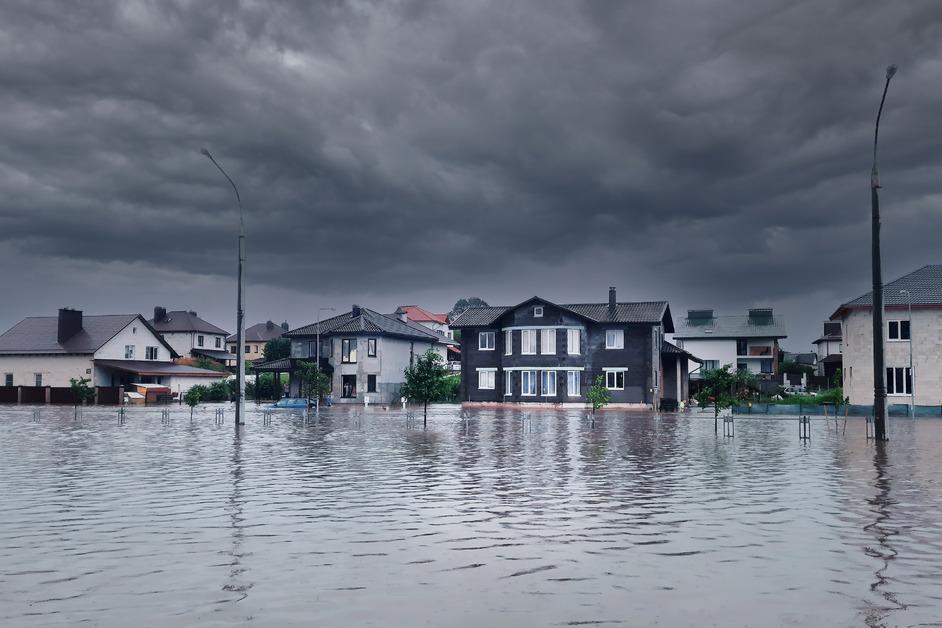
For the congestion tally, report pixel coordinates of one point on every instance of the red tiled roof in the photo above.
(420, 315)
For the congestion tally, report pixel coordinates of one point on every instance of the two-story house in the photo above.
(912, 334)
(746, 342)
(542, 352)
(191, 336)
(256, 337)
(828, 350)
(364, 352)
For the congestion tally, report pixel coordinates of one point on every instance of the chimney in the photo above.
(403, 316)
(70, 323)
(160, 313)
(355, 311)
(611, 301)
(193, 314)
(284, 325)
(269, 325)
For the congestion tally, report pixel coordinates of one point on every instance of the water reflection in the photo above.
(492, 521)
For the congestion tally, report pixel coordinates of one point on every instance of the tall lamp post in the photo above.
(912, 373)
(240, 303)
(317, 353)
(879, 372)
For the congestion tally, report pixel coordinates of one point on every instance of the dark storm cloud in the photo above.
(715, 153)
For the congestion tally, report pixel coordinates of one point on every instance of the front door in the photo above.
(348, 384)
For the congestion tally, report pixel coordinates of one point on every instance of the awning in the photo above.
(221, 356)
(158, 369)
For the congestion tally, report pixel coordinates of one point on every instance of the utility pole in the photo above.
(879, 370)
(240, 303)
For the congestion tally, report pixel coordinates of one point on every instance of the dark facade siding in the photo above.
(637, 357)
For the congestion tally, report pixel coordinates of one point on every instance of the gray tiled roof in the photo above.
(181, 321)
(259, 333)
(671, 348)
(369, 322)
(643, 312)
(281, 364)
(38, 334)
(730, 327)
(924, 285)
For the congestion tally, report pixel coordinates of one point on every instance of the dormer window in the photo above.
(538, 311)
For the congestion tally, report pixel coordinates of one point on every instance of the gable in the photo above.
(140, 334)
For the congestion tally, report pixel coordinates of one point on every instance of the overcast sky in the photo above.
(712, 153)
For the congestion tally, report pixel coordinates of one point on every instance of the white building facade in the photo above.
(745, 342)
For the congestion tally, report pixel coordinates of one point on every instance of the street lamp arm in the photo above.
(875, 177)
(232, 183)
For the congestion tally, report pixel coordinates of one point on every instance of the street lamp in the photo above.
(240, 303)
(912, 373)
(879, 373)
(317, 354)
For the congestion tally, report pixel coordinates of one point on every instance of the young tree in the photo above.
(81, 392)
(426, 381)
(314, 382)
(192, 397)
(598, 395)
(724, 388)
(277, 348)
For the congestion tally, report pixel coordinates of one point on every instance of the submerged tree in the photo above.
(598, 395)
(192, 398)
(724, 388)
(81, 393)
(426, 382)
(315, 383)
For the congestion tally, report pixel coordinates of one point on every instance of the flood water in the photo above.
(359, 521)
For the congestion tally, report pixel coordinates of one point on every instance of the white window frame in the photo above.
(200, 339)
(528, 340)
(218, 342)
(614, 338)
(573, 384)
(531, 376)
(891, 382)
(128, 352)
(508, 383)
(486, 340)
(545, 378)
(574, 340)
(508, 342)
(487, 379)
(538, 311)
(615, 373)
(899, 330)
(547, 341)
(38, 379)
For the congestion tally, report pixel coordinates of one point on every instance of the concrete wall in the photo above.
(926, 331)
(137, 334)
(56, 370)
(185, 341)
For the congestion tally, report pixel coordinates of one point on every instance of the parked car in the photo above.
(291, 403)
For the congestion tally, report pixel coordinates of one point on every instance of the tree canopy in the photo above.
(462, 304)
(426, 381)
(277, 348)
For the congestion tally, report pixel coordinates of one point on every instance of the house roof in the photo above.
(642, 312)
(924, 286)
(147, 367)
(369, 322)
(672, 349)
(828, 338)
(259, 332)
(420, 315)
(39, 335)
(730, 327)
(183, 321)
(215, 354)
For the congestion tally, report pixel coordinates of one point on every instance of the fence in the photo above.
(61, 395)
(780, 409)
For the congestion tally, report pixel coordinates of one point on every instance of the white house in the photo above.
(436, 322)
(108, 350)
(828, 349)
(918, 334)
(747, 342)
(191, 336)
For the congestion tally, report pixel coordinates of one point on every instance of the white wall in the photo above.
(57, 370)
(723, 350)
(137, 334)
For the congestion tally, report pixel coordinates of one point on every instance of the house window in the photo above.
(528, 383)
(897, 330)
(38, 377)
(508, 342)
(232, 348)
(548, 341)
(218, 343)
(528, 342)
(765, 366)
(348, 350)
(128, 352)
(710, 365)
(348, 386)
(199, 341)
(614, 338)
(248, 348)
(548, 383)
(538, 311)
(615, 380)
(371, 348)
(8, 379)
(486, 379)
(508, 383)
(742, 346)
(486, 341)
(370, 383)
(150, 353)
(573, 388)
(573, 341)
(898, 381)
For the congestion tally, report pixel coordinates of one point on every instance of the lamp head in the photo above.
(890, 71)
(205, 152)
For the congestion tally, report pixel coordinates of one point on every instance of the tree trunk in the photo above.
(425, 416)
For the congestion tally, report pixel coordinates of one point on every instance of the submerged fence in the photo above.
(781, 409)
(58, 395)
